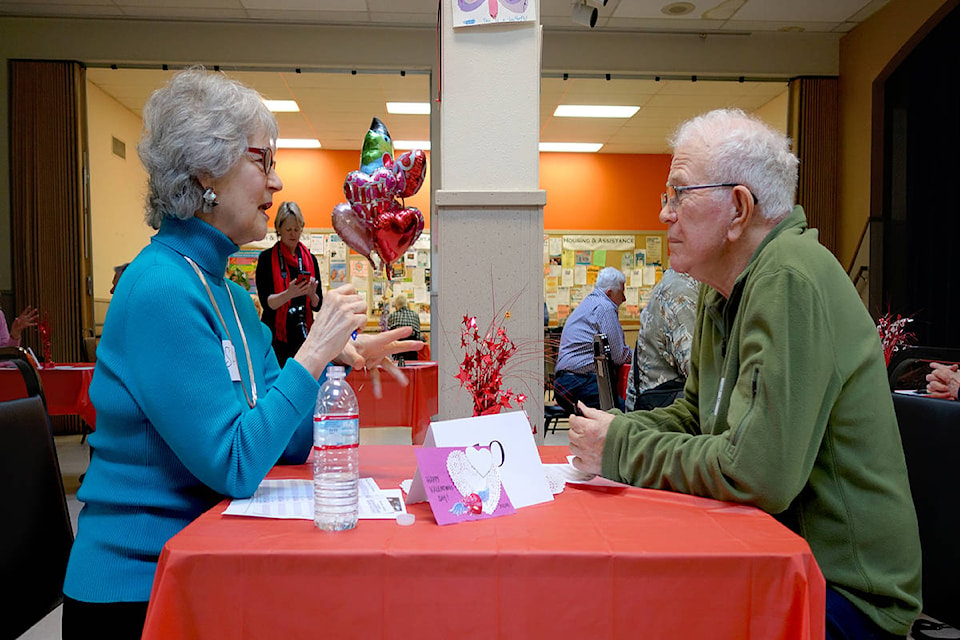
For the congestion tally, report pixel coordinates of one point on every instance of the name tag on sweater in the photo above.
(230, 359)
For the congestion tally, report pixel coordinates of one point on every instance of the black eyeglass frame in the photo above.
(674, 198)
(266, 158)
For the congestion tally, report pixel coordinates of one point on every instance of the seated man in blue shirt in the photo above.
(576, 378)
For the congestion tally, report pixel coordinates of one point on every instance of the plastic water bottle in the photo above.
(336, 454)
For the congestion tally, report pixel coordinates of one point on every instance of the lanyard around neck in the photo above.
(246, 348)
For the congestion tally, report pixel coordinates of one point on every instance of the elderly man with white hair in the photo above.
(576, 377)
(787, 406)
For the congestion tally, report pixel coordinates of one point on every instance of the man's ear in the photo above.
(744, 211)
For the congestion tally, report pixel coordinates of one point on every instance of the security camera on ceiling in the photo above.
(584, 14)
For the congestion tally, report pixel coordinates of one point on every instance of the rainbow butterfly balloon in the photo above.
(517, 6)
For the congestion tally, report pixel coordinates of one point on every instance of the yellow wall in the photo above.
(117, 189)
(864, 52)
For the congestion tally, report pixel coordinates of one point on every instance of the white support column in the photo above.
(487, 231)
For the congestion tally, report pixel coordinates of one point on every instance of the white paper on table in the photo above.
(521, 472)
(293, 499)
(571, 475)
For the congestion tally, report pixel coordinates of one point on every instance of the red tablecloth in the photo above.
(594, 563)
(410, 406)
(65, 387)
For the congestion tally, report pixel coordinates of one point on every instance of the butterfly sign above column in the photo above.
(473, 13)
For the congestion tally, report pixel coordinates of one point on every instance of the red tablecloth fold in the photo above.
(595, 563)
(401, 406)
(66, 388)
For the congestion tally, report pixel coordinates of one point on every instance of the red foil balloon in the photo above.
(413, 166)
(395, 231)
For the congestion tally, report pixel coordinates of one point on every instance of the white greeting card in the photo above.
(521, 470)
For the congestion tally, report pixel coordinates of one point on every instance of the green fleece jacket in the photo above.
(788, 408)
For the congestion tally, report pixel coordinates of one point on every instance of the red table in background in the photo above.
(594, 563)
(410, 406)
(66, 387)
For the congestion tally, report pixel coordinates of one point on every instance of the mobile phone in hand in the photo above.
(303, 277)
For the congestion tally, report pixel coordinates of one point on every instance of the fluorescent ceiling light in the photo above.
(571, 147)
(412, 144)
(415, 108)
(282, 106)
(298, 143)
(594, 111)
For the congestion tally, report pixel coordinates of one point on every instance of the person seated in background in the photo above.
(576, 373)
(10, 337)
(787, 406)
(943, 381)
(288, 279)
(403, 316)
(661, 359)
(117, 272)
(188, 417)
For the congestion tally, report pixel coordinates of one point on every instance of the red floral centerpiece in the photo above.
(482, 369)
(43, 328)
(893, 334)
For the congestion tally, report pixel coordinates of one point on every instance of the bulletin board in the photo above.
(339, 264)
(572, 260)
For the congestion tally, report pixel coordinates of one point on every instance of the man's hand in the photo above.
(587, 435)
(943, 381)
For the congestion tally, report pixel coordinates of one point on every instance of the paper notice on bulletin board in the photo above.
(654, 250)
(473, 13)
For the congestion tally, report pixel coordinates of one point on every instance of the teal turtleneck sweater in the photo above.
(174, 432)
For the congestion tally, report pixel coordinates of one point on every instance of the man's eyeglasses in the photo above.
(266, 158)
(672, 196)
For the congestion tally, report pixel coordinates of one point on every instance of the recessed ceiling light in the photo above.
(412, 144)
(282, 106)
(594, 111)
(298, 143)
(678, 8)
(571, 147)
(415, 108)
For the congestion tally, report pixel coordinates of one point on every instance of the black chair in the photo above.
(606, 380)
(553, 413)
(36, 535)
(930, 432)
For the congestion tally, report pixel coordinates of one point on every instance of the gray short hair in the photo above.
(400, 302)
(743, 149)
(609, 278)
(198, 124)
(286, 210)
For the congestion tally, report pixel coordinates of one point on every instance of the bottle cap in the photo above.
(406, 519)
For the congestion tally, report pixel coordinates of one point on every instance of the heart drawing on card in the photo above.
(469, 480)
(480, 459)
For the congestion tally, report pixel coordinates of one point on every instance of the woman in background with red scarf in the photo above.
(288, 276)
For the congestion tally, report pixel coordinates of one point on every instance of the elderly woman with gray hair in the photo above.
(188, 417)
(287, 279)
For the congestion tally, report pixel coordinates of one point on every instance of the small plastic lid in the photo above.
(336, 371)
(406, 519)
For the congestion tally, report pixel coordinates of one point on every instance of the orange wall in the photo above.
(599, 192)
(585, 191)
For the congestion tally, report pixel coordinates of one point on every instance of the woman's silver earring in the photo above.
(209, 200)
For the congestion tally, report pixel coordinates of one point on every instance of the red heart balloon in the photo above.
(413, 166)
(354, 230)
(394, 232)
